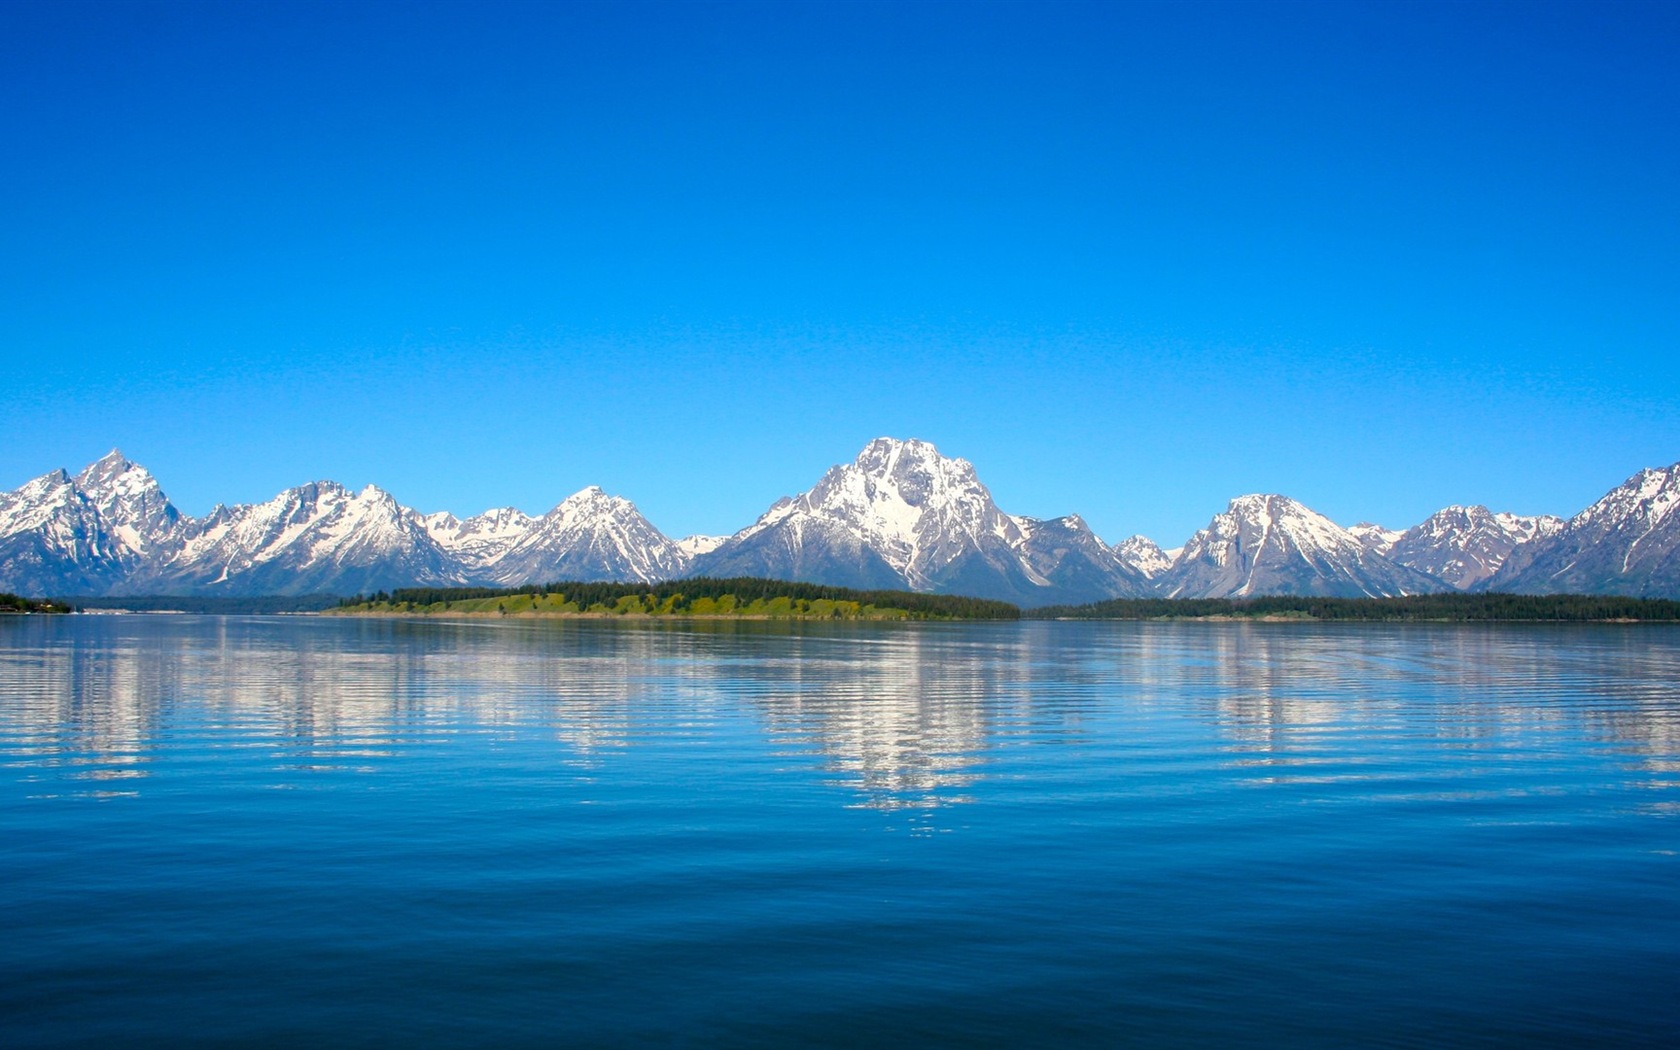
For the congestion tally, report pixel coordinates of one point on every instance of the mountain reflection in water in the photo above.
(592, 833)
(902, 716)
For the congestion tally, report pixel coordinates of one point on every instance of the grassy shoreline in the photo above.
(694, 598)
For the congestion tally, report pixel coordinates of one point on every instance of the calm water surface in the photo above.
(313, 832)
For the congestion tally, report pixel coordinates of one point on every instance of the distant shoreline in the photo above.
(764, 599)
(527, 614)
(1420, 608)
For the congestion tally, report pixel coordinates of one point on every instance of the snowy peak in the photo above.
(1642, 503)
(1064, 556)
(1626, 543)
(1271, 544)
(1375, 536)
(37, 501)
(78, 535)
(482, 539)
(1463, 546)
(899, 515)
(1144, 555)
(909, 504)
(696, 545)
(589, 535)
(314, 537)
(902, 515)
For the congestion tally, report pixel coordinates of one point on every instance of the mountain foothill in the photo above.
(900, 516)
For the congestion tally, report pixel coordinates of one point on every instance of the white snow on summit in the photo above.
(1144, 555)
(1271, 544)
(1375, 536)
(696, 545)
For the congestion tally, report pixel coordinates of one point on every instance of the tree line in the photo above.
(1451, 608)
(15, 603)
(702, 595)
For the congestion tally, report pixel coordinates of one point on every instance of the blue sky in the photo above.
(1130, 259)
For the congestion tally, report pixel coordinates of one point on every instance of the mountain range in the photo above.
(901, 516)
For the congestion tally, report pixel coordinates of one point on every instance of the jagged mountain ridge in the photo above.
(590, 535)
(1462, 546)
(1144, 555)
(482, 539)
(89, 532)
(54, 541)
(111, 530)
(1626, 543)
(313, 538)
(901, 516)
(1270, 544)
(904, 516)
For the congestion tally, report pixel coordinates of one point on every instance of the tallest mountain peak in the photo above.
(904, 516)
(113, 474)
(111, 465)
(886, 457)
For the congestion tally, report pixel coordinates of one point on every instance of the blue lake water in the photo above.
(298, 831)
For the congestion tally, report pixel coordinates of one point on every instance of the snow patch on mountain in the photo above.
(316, 537)
(590, 535)
(1463, 546)
(1375, 536)
(481, 540)
(1144, 555)
(696, 545)
(1626, 543)
(1271, 544)
(904, 516)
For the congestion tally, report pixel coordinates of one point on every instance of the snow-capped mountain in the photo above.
(903, 516)
(1078, 565)
(1144, 555)
(900, 516)
(1626, 543)
(313, 538)
(81, 535)
(53, 540)
(481, 540)
(132, 505)
(589, 536)
(1268, 544)
(1462, 546)
(111, 530)
(694, 546)
(1375, 536)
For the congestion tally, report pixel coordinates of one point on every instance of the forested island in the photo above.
(13, 604)
(1421, 608)
(700, 597)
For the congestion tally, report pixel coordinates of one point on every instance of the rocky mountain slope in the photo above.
(589, 536)
(904, 516)
(313, 538)
(85, 534)
(1626, 543)
(1462, 546)
(901, 515)
(1269, 544)
(111, 530)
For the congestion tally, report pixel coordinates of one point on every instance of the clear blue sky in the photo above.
(1129, 259)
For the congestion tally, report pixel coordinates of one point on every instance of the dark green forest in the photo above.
(1430, 608)
(13, 603)
(698, 596)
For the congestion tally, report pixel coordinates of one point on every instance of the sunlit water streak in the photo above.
(348, 832)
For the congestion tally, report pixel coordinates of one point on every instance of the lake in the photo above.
(304, 831)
